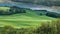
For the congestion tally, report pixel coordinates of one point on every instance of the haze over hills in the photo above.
(29, 0)
(4, 1)
(40, 2)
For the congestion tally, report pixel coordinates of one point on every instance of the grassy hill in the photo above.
(28, 19)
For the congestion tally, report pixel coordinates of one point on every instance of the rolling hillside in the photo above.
(28, 19)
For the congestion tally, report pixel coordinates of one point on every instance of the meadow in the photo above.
(28, 22)
(28, 19)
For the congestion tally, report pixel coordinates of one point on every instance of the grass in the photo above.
(29, 19)
(4, 8)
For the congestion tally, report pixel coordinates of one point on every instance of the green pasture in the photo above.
(28, 19)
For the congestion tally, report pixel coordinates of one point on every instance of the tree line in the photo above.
(53, 14)
(13, 10)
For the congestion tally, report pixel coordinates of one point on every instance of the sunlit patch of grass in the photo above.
(4, 8)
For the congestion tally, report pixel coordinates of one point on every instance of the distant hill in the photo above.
(2, 1)
(40, 2)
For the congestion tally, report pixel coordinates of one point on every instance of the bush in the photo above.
(15, 9)
(7, 30)
(52, 14)
(50, 28)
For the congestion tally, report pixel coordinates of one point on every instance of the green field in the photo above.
(29, 19)
(4, 8)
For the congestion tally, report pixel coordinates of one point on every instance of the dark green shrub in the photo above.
(16, 9)
(52, 14)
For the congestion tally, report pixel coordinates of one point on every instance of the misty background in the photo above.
(50, 5)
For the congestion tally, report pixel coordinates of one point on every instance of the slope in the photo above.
(28, 19)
